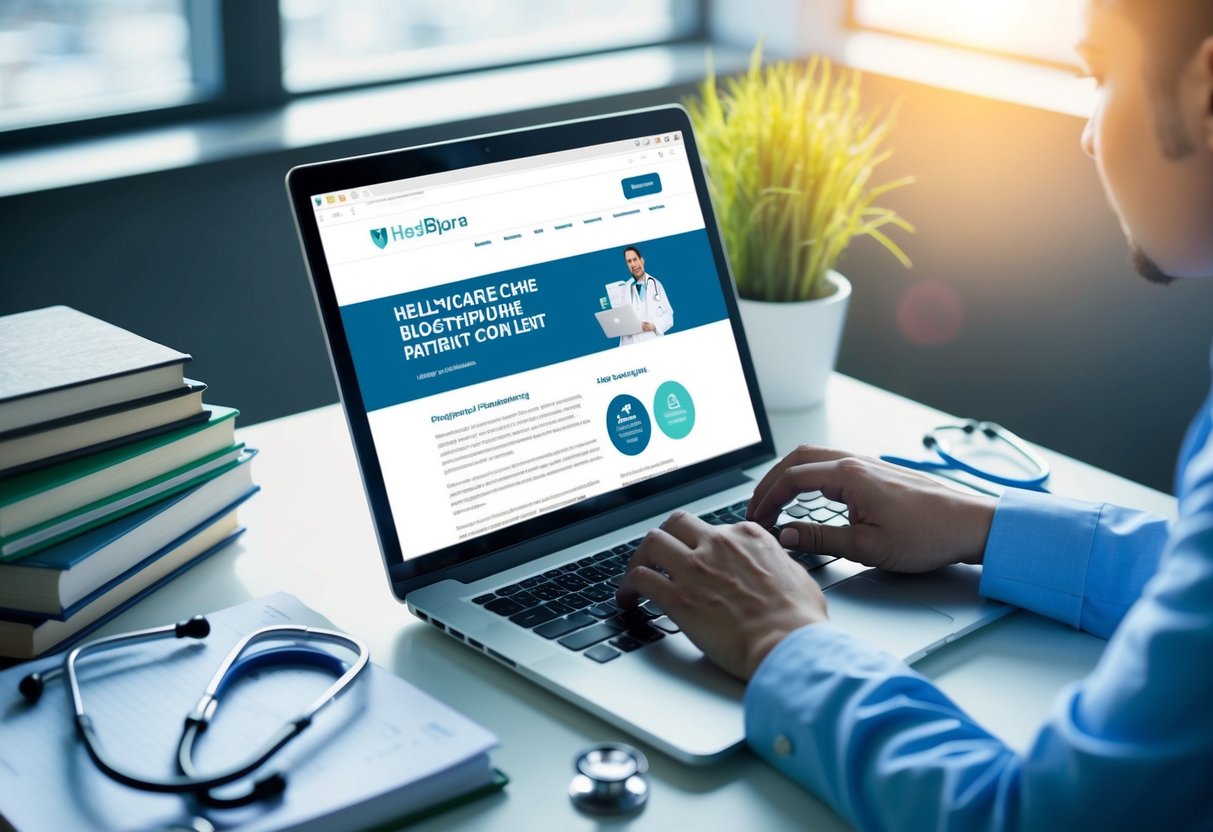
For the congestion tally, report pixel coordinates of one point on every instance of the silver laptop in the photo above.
(512, 457)
(618, 321)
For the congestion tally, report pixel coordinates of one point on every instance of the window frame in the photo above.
(236, 49)
(852, 23)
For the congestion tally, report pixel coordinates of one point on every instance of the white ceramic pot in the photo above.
(795, 345)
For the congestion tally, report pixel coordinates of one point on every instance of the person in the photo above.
(1128, 747)
(647, 296)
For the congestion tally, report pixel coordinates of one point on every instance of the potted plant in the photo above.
(790, 158)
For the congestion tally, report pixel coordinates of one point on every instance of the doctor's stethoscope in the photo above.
(648, 279)
(235, 665)
(1036, 469)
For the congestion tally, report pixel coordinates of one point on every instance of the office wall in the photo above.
(1058, 337)
(1055, 337)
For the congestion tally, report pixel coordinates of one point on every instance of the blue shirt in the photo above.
(1128, 747)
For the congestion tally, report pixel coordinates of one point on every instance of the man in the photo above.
(646, 295)
(1130, 746)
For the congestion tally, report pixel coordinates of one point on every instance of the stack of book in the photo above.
(114, 475)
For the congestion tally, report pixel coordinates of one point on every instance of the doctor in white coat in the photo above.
(647, 296)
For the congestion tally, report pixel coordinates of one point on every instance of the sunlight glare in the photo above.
(1043, 29)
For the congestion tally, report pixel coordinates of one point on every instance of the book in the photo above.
(384, 752)
(53, 581)
(26, 636)
(42, 507)
(58, 361)
(119, 424)
(112, 506)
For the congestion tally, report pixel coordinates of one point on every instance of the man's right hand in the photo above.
(900, 520)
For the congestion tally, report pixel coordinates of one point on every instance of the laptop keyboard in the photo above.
(575, 604)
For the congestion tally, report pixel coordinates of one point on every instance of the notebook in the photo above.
(385, 753)
(513, 457)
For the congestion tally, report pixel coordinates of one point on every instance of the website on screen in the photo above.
(530, 334)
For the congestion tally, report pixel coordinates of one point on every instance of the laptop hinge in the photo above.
(508, 558)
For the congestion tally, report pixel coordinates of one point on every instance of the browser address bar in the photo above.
(494, 185)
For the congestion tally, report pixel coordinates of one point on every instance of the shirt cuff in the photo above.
(796, 698)
(1038, 552)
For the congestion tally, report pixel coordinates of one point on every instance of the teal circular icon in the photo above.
(674, 410)
(628, 425)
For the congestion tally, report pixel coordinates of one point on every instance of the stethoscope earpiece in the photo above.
(271, 786)
(31, 687)
(196, 627)
(267, 788)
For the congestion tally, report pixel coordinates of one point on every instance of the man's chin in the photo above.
(1148, 269)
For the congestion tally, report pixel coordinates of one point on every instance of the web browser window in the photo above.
(533, 333)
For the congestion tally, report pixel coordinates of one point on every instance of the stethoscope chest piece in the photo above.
(611, 779)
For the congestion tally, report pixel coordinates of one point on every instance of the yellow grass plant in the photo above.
(790, 157)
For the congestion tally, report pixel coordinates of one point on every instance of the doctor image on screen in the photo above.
(645, 294)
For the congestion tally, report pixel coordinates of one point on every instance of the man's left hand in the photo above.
(732, 589)
(647, 327)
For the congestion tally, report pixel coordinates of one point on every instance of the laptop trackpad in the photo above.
(885, 617)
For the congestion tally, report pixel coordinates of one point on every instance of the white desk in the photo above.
(310, 533)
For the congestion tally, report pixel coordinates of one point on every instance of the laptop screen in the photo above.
(496, 395)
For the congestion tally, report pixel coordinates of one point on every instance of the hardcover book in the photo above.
(113, 426)
(22, 636)
(58, 361)
(41, 507)
(52, 581)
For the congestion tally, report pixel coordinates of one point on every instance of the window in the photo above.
(327, 44)
(1040, 30)
(71, 68)
(72, 59)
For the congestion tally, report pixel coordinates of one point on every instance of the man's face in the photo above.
(635, 263)
(1152, 139)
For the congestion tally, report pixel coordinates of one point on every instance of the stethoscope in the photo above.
(935, 441)
(233, 667)
(648, 279)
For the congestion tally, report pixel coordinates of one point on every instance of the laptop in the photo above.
(618, 321)
(512, 458)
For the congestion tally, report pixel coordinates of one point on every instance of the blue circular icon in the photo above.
(628, 425)
(674, 410)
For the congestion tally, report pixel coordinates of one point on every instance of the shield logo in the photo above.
(379, 236)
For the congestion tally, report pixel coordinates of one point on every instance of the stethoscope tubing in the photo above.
(234, 665)
(648, 279)
(949, 462)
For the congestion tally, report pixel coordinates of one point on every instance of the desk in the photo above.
(310, 533)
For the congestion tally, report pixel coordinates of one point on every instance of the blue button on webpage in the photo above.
(635, 186)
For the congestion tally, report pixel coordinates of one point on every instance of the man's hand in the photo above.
(900, 520)
(732, 589)
(647, 326)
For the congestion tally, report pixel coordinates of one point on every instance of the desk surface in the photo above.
(310, 533)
